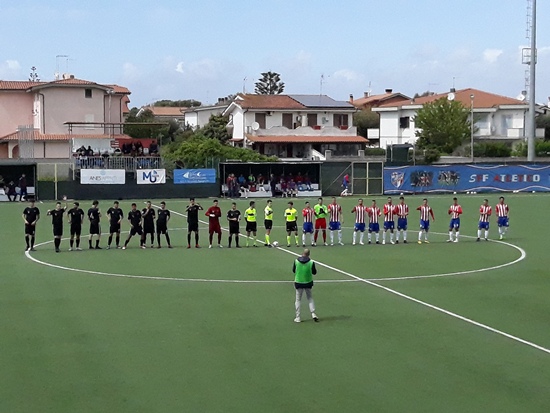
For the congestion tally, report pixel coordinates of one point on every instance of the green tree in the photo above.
(141, 131)
(186, 103)
(365, 119)
(216, 128)
(269, 84)
(444, 125)
(544, 122)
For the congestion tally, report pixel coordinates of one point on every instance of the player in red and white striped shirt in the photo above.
(374, 212)
(361, 212)
(502, 210)
(402, 211)
(335, 220)
(308, 213)
(485, 212)
(389, 221)
(425, 213)
(455, 211)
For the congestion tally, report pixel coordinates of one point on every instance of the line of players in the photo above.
(142, 222)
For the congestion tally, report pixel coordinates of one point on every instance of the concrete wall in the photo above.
(16, 108)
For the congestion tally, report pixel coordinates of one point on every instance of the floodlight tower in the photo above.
(530, 58)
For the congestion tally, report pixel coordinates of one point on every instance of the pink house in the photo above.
(34, 116)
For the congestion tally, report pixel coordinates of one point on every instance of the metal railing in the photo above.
(128, 163)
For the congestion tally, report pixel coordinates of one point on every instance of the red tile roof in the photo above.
(24, 85)
(377, 99)
(18, 85)
(481, 99)
(307, 139)
(37, 136)
(272, 102)
(166, 110)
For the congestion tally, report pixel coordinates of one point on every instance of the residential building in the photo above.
(199, 116)
(48, 116)
(166, 113)
(294, 126)
(496, 117)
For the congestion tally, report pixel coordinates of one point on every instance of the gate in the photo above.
(366, 178)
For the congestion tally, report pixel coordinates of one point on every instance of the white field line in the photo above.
(425, 304)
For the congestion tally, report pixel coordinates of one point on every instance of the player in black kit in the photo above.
(162, 224)
(76, 219)
(31, 215)
(192, 212)
(234, 216)
(57, 223)
(134, 216)
(115, 215)
(148, 215)
(94, 215)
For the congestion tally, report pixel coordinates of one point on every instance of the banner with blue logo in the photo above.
(151, 176)
(194, 176)
(464, 178)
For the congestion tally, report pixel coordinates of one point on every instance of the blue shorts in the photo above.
(402, 224)
(308, 227)
(455, 223)
(389, 225)
(483, 225)
(425, 225)
(360, 227)
(502, 221)
(374, 227)
(334, 226)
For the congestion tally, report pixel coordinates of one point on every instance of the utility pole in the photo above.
(532, 72)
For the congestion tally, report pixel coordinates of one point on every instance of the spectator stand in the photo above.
(254, 179)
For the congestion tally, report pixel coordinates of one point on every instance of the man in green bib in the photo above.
(304, 270)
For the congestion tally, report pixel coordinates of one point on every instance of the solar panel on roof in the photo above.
(320, 101)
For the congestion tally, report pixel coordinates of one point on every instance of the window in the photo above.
(88, 93)
(404, 122)
(260, 118)
(287, 120)
(311, 119)
(340, 121)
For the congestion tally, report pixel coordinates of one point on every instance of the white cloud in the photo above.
(179, 67)
(347, 74)
(491, 55)
(130, 72)
(10, 69)
(13, 64)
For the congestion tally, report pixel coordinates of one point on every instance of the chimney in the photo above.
(366, 94)
(72, 76)
(389, 90)
(350, 98)
(453, 90)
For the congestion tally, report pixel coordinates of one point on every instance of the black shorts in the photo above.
(291, 226)
(57, 230)
(268, 223)
(192, 226)
(30, 229)
(161, 228)
(251, 226)
(95, 228)
(136, 230)
(76, 229)
(114, 227)
(303, 285)
(233, 228)
(149, 229)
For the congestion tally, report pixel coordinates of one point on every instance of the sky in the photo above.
(207, 49)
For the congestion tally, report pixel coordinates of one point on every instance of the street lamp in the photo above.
(472, 127)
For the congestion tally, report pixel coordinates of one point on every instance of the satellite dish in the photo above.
(451, 96)
(522, 96)
(255, 126)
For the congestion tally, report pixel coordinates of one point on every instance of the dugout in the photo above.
(12, 171)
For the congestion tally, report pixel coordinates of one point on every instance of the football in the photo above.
(275, 244)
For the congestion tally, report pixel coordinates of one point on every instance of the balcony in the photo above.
(128, 163)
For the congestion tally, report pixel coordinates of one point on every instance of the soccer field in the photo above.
(439, 327)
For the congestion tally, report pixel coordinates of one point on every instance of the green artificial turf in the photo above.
(100, 341)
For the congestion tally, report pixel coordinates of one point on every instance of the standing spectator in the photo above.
(22, 187)
(345, 185)
(235, 186)
(153, 148)
(273, 185)
(304, 270)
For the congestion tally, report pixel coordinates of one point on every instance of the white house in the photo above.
(294, 126)
(199, 116)
(496, 117)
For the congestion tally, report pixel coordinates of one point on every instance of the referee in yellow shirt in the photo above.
(291, 216)
(268, 222)
(251, 224)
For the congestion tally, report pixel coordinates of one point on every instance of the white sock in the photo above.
(384, 236)
(397, 235)
(312, 240)
(404, 235)
(479, 233)
(451, 235)
(391, 236)
(420, 236)
(486, 234)
(457, 233)
(339, 235)
(426, 236)
(332, 237)
(354, 236)
(361, 237)
(377, 236)
(369, 236)
(303, 238)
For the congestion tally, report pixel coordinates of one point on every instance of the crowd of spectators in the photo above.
(280, 185)
(12, 189)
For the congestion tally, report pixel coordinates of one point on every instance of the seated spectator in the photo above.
(12, 192)
(284, 187)
(292, 189)
(153, 148)
(307, 182)
(260, 179)
(242, 180)
(299, 178)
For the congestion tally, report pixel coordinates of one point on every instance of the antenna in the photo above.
(57, 57)
(244, 85)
